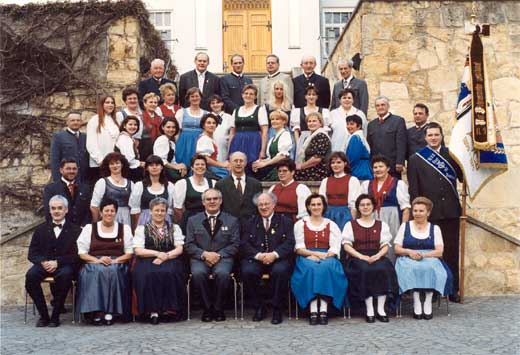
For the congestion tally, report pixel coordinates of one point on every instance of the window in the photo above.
(333, 22)
(162, 20)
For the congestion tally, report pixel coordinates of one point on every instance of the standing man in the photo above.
(415, 135)
(432, 173)
(207, 82)
(231, 85)
(53, 252)
(348, 81)
(153, 83)
(77, 193)
(212, 241)
(238, 189)
(272, 63)
(386, 135)
(267, 247)
(309, 77)
(70, 144)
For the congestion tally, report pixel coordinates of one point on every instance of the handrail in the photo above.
(493, 230)
(5, 238)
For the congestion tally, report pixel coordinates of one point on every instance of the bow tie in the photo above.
(54, 225)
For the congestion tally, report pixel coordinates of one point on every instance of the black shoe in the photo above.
(54, 323)
(207, 315)
(383, 319)
(259, 314)
(428, 316)
(42, 322)
(324, 319)
(454, 298)
(97, 321)
(417, 316)
(220, 316)
(370, 319)
(154, 320)
(277, 317)
(313, 318)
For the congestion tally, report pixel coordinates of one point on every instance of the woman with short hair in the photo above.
(126, 145)
(164, 147)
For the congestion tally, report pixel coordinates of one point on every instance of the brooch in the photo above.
(273, 231)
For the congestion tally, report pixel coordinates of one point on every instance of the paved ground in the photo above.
(489, 325)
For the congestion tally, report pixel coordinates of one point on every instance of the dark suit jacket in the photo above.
(231, 91)
(152, 85)
(415, 140)
(423, 180)
(189, 80)
(360, 89)
(279, 237)
(388, 139)
(65, 145)
(79, 206)
(240, 207)
(44, 245)
(225, 240)
(322, 85)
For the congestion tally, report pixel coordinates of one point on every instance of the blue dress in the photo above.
(426, 274)
(187, 142)
(359, 158)
(247, 139)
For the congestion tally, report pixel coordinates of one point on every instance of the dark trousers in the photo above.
(279, 274)
(62, 282)
(200, 272)
(450, 237)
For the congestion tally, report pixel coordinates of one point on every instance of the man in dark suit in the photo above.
(200, 77)
(231, 85)
(78, 194)
(415, 135)
(70, 143)
(386, 135)
(348, 81)
(53, 252)
(238, 189)
(426, 180)
(153, 83)
(266, 247)
(212, 241)
(309, 77)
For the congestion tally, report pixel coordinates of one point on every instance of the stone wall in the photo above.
(414, 51)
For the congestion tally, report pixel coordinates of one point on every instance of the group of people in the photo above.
(159, 192)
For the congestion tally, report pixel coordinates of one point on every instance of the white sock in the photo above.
(323, 305)
(369, 302)
(108, 316)
(381, 305)
(314, 306)
(154, 314)
(428, 302)
(417, 307)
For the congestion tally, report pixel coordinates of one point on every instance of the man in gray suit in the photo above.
(348, 81)
(272, 63)
(212, 241)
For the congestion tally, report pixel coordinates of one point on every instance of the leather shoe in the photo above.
(97, 321)
(220, 316)
(154, 320)
(42, 322)
(259, 314)
(370, 319)
(277, 317)
(207, 315)
(454, 298)
(324, 319)
(110, 322)
(428, 316)
(417, 316)
(54, 323)
(313, 318)
(383, 319)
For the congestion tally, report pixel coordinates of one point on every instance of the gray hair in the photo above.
(348, 62)
(158, 201)
(219, 193)
(270, 194)
(201, 53)
(238, 152)
(308, 57)
(59, 198)
(157, 61)
(382, 97)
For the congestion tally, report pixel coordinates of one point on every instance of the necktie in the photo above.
(381, 120)
(212, 222)
(54, 225)
(72, 187)
(266, 224)
(345, 84)
(239, 186)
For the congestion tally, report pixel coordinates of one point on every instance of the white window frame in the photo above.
(160, 29)
(325, 26)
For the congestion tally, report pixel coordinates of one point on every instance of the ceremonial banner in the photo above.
(476, 143)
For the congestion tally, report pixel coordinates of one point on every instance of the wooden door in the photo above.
(246, 30)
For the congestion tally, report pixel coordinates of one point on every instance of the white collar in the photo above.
(385, 116)
(208, 215)
(76, 133)
(242, 178)
(201, 73)
(66, 181)
(62, 223)
(340, 175)
(290, 182)
(273, 75)
(238, 75)
(308, 76)
(349, 79)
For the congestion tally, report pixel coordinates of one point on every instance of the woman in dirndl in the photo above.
(164, 147)
(207, 146)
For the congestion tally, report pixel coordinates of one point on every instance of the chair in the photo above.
(212, 277)
(50, 280)
(439, 297)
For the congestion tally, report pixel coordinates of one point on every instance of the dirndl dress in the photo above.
(337, 191)
(121, 195)
(187, 142)
(247, 138)
(147, 196)
(192, 202)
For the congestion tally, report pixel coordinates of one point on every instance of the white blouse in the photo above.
(137, 193)
(302, 192)
(437, 234)
(403, 197)
(161, 148)
(221, 135)
(284, 143)
(83, 241)
(205, 145)
(348, 234)
(125, 144)
(179, 115)
(139, 238)
(295, 117)
(181, 187)
(243, 112)
(100, 187)
(102, 143)
(338, 124)
(354, 189)
(335, 234)
(120, 118)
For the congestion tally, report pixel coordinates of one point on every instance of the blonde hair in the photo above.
(286, 103)
(165, 88)
(149, 96)
(279, 114)
(315, 114)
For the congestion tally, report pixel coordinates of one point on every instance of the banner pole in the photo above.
(462, 241)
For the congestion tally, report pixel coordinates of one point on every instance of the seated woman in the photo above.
(391, 195)
(369, 272)
(249, 132)
(318, 277)
(126, 145)
(315, 150)
(155, 184)
(187, 200)
(358, 150)
(158, 276)
(224, 124)
(341, 190)
(113, 185)
(278, 148)
(419, 266)
(103, 282)
(206, 146)
(164, 147)
(337, 120)
(168, 94)
(151, 123)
